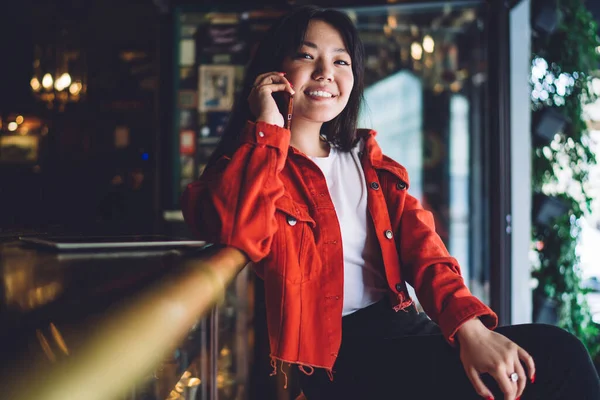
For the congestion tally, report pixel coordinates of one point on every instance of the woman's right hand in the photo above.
(262, 103)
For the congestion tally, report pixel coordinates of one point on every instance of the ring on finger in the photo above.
(514, 377)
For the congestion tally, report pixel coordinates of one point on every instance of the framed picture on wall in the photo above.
(186, 119)
(216, 87)
(186, 99)
(187, 167)
(187, 142)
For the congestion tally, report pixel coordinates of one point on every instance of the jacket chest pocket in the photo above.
(395, 190)
(294, 244)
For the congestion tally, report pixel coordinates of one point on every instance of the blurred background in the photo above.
(108, 109)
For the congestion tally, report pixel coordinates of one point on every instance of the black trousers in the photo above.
(402, 355)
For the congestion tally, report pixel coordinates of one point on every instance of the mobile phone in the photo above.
(285, 104)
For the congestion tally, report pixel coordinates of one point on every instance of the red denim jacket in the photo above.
(271, 201)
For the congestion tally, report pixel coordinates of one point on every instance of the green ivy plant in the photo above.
(562, 65)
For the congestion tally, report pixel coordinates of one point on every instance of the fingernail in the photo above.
(490, 398)
(282, 73)
(518, 398)
(533, 379)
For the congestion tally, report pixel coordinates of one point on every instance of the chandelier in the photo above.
(59, 75)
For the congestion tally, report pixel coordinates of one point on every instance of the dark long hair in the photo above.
(283, 39)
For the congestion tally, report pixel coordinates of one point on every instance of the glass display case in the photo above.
(213, 361)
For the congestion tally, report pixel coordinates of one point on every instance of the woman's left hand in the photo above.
(484, 351)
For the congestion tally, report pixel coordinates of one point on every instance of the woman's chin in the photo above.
(319, 117)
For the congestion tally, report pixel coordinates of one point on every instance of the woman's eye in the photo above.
(342, 62)
(304, 55)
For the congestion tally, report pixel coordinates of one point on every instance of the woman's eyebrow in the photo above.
(314, 46)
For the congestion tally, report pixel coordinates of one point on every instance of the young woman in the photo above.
(329, 225)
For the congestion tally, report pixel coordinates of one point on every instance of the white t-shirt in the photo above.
(364, 277)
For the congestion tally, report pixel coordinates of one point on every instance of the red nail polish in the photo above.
(533, 379)
(490, 398)
(292, 86)
(518, 398)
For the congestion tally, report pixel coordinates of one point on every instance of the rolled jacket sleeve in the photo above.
(436, 275)
(233, 202)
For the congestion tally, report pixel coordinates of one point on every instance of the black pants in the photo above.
(402, 355)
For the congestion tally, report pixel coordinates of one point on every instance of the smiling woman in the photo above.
(288, 45)
(331, 229)
(322, 75)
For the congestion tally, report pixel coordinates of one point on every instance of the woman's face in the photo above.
(321, 74)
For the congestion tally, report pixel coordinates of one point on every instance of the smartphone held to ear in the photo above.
(285, 104)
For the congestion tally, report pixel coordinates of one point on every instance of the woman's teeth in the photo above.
(320, 94)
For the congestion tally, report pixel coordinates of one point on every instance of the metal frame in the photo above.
(510, 4)
(498, 168)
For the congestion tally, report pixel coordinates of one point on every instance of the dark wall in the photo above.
(70, 183)
(16, 59)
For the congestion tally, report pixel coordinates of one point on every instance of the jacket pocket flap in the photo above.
(288, 206)
(398, 172)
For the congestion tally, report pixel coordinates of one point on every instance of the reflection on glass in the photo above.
(424, 95)
(459, 181)
(25, 283)
(394, 108)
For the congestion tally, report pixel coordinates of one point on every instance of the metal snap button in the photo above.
(389, 234)
(375, 185)
(400, 185)
(399, 287)
(291, 220)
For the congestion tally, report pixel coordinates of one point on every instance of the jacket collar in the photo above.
(375, 156)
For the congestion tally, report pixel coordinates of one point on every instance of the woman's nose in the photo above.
(323, 72)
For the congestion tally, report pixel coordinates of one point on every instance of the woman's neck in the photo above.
(306, 138)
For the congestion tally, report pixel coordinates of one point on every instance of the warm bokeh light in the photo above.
(45, 345)
(58, 338)
(47, 81)
(12, 126)
(392, 21)
(35, 84)
(428, 44)
(63, 82)
(19, 120)
(387, 30)
(75, 88)
(416, 51)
